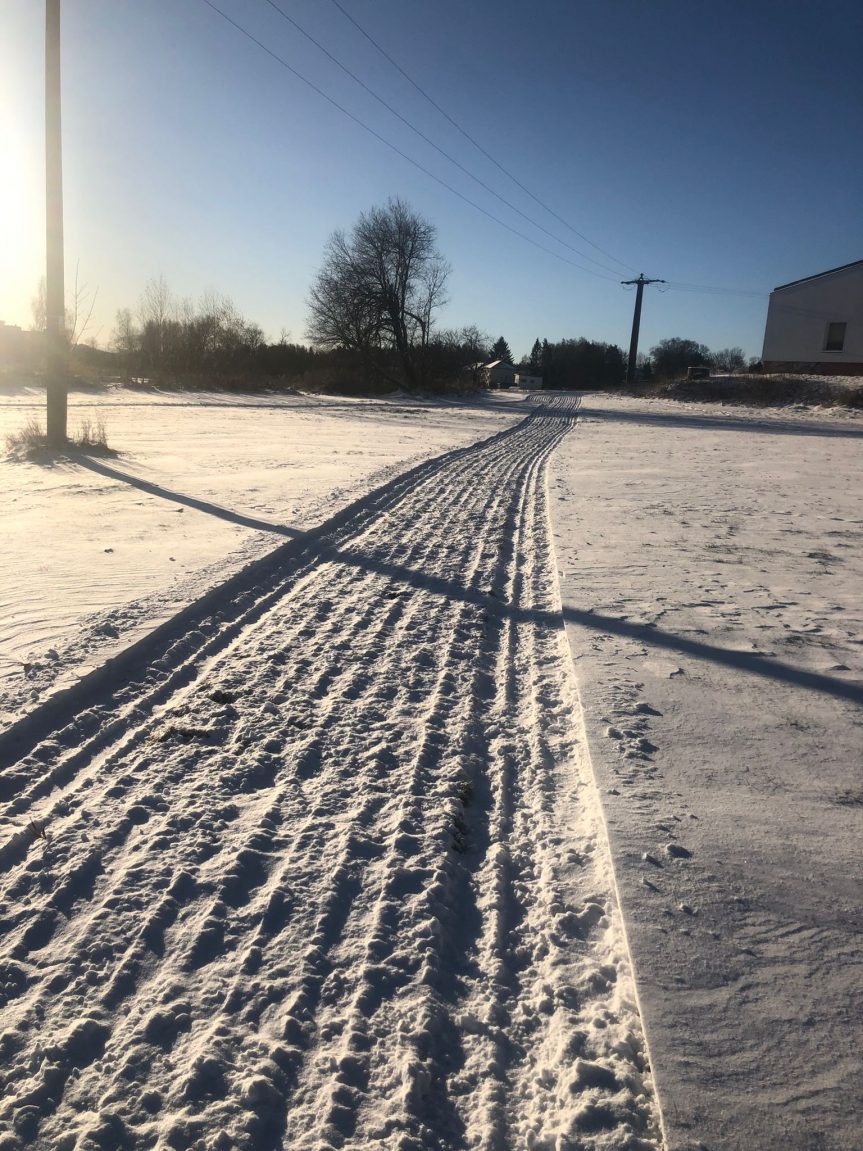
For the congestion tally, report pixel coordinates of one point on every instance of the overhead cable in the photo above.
(446, 155)
(715, 290)
(475, 142)
(393, 147)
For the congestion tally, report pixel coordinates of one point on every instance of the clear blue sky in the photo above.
(710, 144)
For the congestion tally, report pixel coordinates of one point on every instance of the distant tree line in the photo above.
(583, 363)
(670, 358)
(576, 363)
(179, 342)
(372, 322)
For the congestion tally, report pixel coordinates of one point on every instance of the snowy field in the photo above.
(712, 580)
(327, 864)
(97, 551)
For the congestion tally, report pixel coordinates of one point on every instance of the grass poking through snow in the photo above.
(91, 436)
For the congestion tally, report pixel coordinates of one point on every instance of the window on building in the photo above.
(834, 341)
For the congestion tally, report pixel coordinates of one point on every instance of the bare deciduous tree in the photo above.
(125, 339)
(475, 342)
(80, 303)
(155, 309)
(728, 360)
(461, 354)
(379, 288)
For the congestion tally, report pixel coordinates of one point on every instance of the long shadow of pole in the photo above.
(747, 662)
(209, 509)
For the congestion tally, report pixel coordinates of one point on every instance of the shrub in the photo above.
(91, 437)
(765, 390)
(28, 438)
(91, 434)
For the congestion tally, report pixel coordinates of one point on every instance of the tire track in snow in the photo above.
(91, 715)
(136, 734)
(307, 879)
(304, 1003)
(207, 925)
(426, 1045)
(422, 792)
(42, 934)
(432, 723)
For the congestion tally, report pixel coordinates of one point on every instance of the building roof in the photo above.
(818, 275)
(500, 364)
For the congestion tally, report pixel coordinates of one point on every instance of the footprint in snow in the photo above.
(644, 708)
(677, 851)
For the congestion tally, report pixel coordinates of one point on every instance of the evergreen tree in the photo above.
(545, 357)
(535, 360)
(581, 363)
(500, 350)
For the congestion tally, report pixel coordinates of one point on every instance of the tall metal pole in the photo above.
(636, 324)
(55, 302)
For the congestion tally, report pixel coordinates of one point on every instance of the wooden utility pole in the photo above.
(55, 294)
(636, 323)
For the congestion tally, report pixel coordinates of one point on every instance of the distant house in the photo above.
(499, 374)
(816, 324)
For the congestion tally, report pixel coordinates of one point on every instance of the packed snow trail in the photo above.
(331, 872)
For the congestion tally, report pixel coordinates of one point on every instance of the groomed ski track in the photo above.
(328, 869)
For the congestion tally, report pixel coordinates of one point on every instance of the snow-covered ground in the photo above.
(97, 551)
(712, 579)
(327, 864)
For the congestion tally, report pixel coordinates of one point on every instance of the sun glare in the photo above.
(21, 214)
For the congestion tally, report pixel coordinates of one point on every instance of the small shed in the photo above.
(816, 324)
(526, 379)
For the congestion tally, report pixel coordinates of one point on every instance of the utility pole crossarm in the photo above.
(642, 279)
(636, 323)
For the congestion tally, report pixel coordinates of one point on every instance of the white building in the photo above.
(526, 379)
(816, 324)
(499, 374)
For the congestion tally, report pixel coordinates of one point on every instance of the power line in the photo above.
(776, 306)
(715, 290)
(398, 151)
(672, 285)
(461, 167)
(476, 143)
